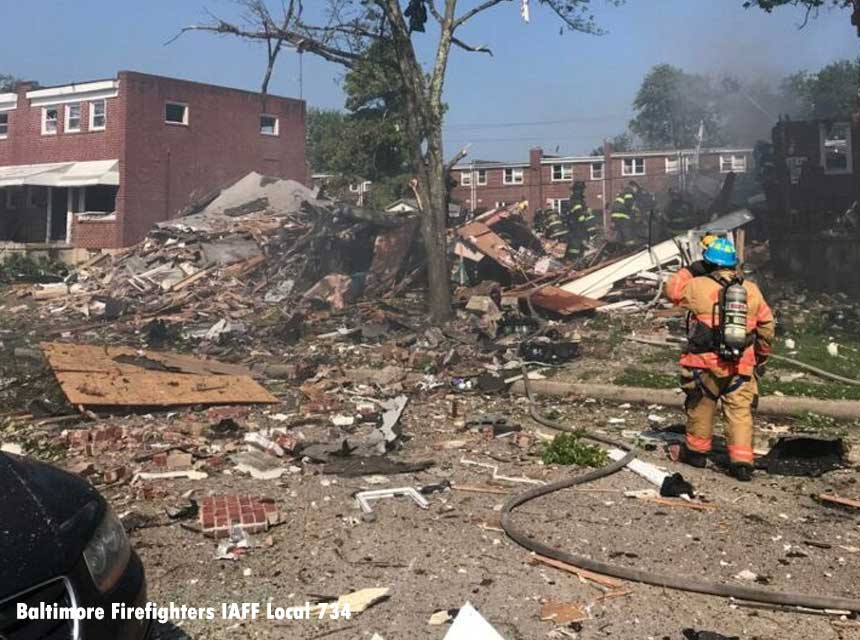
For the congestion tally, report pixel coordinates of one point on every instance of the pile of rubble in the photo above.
(261, 242)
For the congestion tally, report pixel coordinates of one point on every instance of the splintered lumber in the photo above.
(599, 282)
(606, 581)
(94, 376)
(834, 499)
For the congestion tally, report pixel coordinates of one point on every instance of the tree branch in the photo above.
(462, 153)
(468, 47)
(298, 41)
(489, 4)
(431, 4)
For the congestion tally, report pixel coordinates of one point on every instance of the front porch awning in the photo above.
(61, 174)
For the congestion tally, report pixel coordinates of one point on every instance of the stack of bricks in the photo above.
(219, 514)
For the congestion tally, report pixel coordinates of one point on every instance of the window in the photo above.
(691, 163)
(633, 167)
(50, 118)
(269, 125)
(73, 118)
(512, 176)
(673, 165)
(176, 113)
(500, 204)
(98, 115)
(560, 205)
(736, 163)
(836, 148)
(597, 171)
(4, 126)
(465, 178)
(15, 198)
(562, 172)
(481, 176)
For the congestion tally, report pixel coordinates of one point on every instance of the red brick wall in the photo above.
(538, 186)
(25, 144)
(163, 166)
(167, 164)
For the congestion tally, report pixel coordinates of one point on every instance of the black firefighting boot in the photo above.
(693, 458)
(741, 472)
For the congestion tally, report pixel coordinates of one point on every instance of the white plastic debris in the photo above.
(790, 344)
(833, 349)
(471, 625)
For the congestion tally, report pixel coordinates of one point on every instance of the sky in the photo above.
(563, 92)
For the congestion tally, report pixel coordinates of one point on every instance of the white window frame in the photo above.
(733, 163)
(517, 176)
(67, 126)
(185, 115)
(465, 178)
(691, 163)
(594, 175)
(481, 177)
(500, 204)
(276, 129)
(45, 121)
(5, 124)
(93, 126)
(556, 203)
(822, 138)
(632, 171)
(673, 166)
(565, 172)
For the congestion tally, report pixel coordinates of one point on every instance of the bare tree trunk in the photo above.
(433, 227)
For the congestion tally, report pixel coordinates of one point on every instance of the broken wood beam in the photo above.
(770, 405)
(598, 578)
(843, 502)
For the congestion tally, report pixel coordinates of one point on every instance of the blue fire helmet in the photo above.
(721, 252)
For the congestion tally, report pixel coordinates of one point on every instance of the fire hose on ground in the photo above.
(522, 538)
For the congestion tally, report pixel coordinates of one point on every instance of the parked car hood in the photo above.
(48, 515)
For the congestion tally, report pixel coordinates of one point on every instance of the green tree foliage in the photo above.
(829, 93)
(670, 106)
(770, 5)
(365, 142)
(622, 142)
(7, 82)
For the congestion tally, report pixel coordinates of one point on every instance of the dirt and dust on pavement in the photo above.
(243, 395)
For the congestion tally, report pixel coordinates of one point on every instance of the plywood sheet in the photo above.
(563, 302)
(120, 376)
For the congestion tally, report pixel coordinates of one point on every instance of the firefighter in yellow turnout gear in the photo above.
(583, 224)
(729, 335)
(624, 214)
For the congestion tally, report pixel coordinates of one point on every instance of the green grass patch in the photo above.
(827, 391)
(569, 448)
(632, 377)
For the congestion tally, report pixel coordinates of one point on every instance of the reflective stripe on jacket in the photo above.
(698, 295)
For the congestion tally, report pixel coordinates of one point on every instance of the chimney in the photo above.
(535, 182)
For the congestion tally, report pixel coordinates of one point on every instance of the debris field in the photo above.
(257, 390)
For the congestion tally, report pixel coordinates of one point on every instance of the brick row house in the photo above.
(94, 165)
(545, 181)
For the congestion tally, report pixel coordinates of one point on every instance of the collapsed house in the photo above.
(813, 190)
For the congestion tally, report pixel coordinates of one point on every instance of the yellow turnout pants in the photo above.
(738, 395)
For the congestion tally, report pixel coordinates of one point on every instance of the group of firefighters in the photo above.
(730, 326)
(580, 227)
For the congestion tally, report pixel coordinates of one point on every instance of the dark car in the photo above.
(60, 543)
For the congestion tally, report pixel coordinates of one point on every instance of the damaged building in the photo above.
(544, 181)
(93, 165)
(813, 191)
